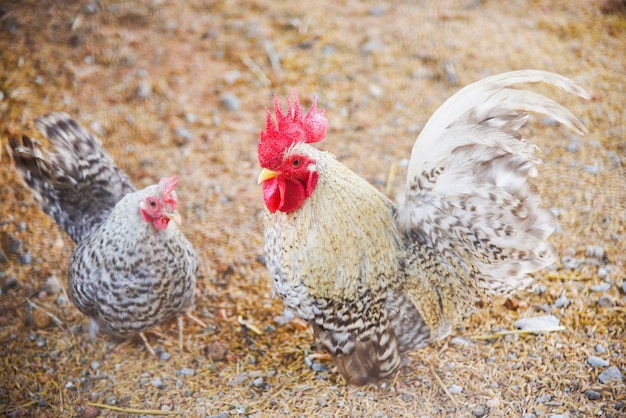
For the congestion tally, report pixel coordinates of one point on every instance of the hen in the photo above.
(132, 268)
(375, 280)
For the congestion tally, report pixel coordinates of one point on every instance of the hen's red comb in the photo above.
(167, 185)
(290, 128)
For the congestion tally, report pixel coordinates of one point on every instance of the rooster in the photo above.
(132, 268)
(376, 279)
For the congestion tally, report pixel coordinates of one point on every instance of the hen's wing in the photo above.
(76, 183)
(469, 194)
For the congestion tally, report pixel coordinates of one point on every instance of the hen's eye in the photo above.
(296, 162)
(152, 203)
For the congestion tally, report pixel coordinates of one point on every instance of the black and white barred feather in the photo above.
(77, 184)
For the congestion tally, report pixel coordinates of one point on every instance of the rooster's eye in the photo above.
(152, 203)
(296, 162)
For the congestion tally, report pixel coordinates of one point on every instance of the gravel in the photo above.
(537, 323)
(144, 89)
(612, 373)
(479, 411)
(158, 383)
(455, 389)
(602, 287)
(187, 372)
(597, 361)
(26, 258)
(52, 286)
(561, 302)
(230, 102)
(592, 395)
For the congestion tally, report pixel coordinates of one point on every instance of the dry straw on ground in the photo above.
(157, 80)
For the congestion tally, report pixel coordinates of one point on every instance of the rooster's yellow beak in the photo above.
(266, 174)
(174, 216)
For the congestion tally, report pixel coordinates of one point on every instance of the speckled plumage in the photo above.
(125, 274)
(375, 279)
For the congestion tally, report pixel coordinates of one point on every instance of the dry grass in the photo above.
(62, 57)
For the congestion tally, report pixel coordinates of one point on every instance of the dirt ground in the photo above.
(180, 87)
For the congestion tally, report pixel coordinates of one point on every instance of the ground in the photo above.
(181, 86)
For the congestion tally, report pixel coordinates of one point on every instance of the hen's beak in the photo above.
(266, 174)
(174, 216)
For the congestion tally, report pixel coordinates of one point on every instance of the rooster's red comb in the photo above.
(290, 128)
(167, 185)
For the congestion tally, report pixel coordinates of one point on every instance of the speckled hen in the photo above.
(132, 268)
(375, 279)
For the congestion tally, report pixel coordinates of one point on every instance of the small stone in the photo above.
(454, 389)
(529, 415)
(592, 395)
(375, 91)
(91, 7)
(238, 379)
(543, 322)
(597, 361)
(90, 411)
(624, 286)
(372, 45)
(164, 356)
(606, 301)
(602, 287)
(52, 285)
(493, 403)
(258, 382)
(479, 411)
(26, 258)
(461, 341)
(231, 77)
(230, 102)
(96, 126)
(21, 226)
(95, 365)
(187, 372)
(144, 89)
(62, 300)
(569, 262)
(573, 146)
(561, 302)
(216, 351)
(41, 318)
(591, 169)
(600, 349)
(184, 134)
(157, 382)
(190, 117)
(69, 385)
(612, 373)
(378, 10)
(544, 398)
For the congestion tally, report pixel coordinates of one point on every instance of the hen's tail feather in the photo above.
(76, 183)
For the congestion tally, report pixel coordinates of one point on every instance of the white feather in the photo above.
(469, 194)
